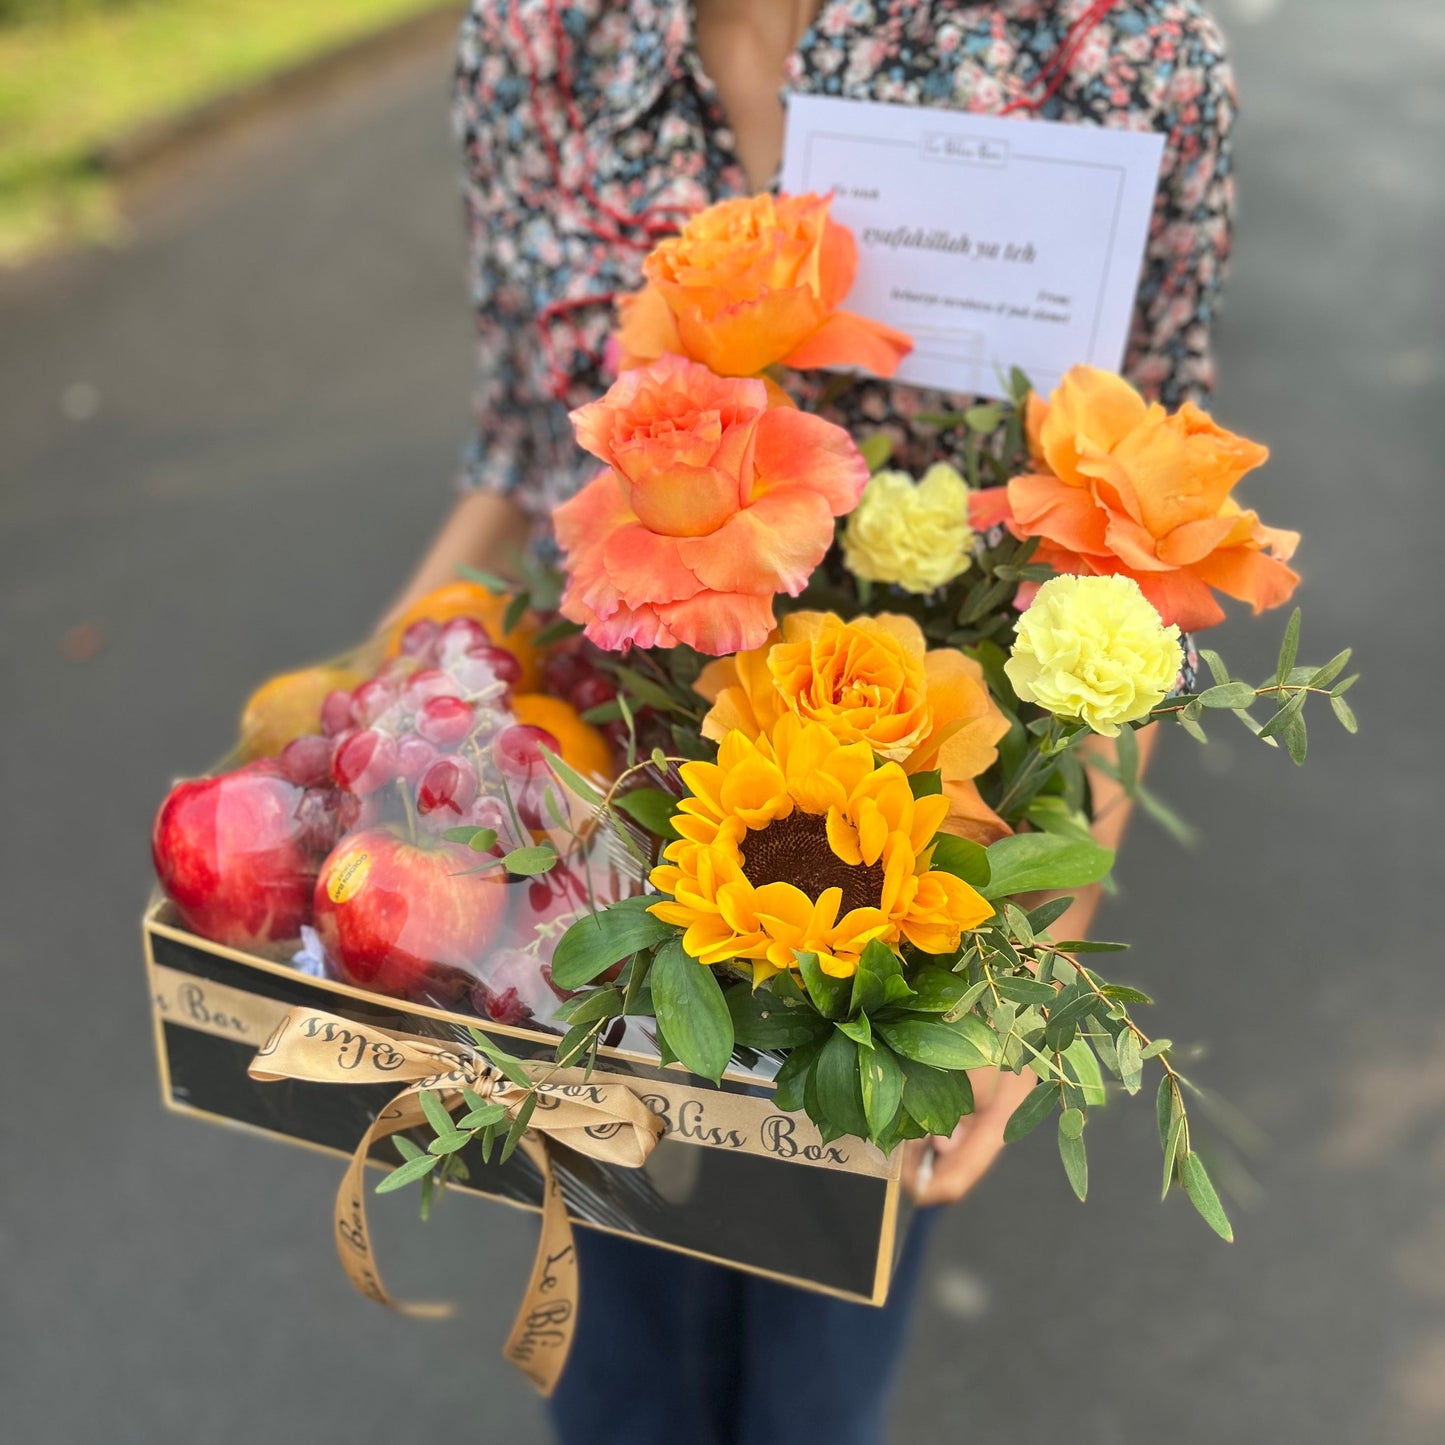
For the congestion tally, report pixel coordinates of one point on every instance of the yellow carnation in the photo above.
(1094, 648)
(913, 534)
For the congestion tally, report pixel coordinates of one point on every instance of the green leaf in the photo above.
(528, 862)
(1084, 1067)
(586, 1008)
(1118, 993)
(1295, 736)
(1071, 1123)
(963, 858)
(1228, 695)
(480, 840)
(1026, 862)
(652, 807)
(1325, 675)
(436, 1112)
(406, 1148)
(691, 1011)
(489, 580)
(407, 1173)
(572, 779)
(1046, 914)
(881, 1079)
(1092, 945)
(876, 450)
(835, 1077)
(967, 1044)
(1130, 1064)
(936, 1098)
(859, 1030)
(1344, 712)
(1200, 1189)
(1156, 1048)
(1288, 648)
(480, 1118)
(1215, 663)
(792, 1078)
(645, 690)
(1026, 990)
(1076, 1159)
(559, 629)
(975, 992)
(926, 784)
(1172, 1140)
(1126, 755)
(516, 611)
(598, 940)
(762, 1020)
(982, 419)
(448, 1143)
(518, 1128)
(1037, 1105)
(830, 995)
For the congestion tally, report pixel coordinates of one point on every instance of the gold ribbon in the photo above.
(606, 1121)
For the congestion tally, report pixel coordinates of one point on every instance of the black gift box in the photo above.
(764, 1195)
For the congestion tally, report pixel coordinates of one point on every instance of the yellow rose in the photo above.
(913, 534)
(873, 680)
(1094, 648)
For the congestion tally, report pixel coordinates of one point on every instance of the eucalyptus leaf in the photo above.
(407, 1173)
(1200, 1189)
(1037, 1105)
(1075, 1158)
(572, 779)
(529, 861)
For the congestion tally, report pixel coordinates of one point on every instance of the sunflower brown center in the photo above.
(795, 850)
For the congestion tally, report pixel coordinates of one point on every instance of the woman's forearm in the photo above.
(483, 531)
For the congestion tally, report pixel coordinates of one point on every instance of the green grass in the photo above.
(72, 80)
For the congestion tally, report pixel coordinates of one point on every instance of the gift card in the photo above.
(994, 243)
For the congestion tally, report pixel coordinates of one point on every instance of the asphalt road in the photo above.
(223, 443)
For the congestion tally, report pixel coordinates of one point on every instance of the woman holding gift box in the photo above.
(591, 130)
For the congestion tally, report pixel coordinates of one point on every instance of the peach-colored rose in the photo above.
(753, 282)
(711, 504)
(1122, 487)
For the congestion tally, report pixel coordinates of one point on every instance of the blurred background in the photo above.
(235, 356)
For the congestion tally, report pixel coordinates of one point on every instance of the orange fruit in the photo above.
(580, 744)
(471, 599)
(288, 706)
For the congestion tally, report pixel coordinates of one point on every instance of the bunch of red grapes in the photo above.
(345, 830)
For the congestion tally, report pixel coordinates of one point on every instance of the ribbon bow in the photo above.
(605, 1121)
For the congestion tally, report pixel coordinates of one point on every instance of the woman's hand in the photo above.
(954, 1165)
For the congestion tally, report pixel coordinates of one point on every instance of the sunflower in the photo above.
(794, 842)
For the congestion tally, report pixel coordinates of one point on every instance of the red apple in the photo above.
(231, 853)
(404, 917)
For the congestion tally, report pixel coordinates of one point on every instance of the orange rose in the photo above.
(1125, 488)
(871, 680)
(753, 282)
(710, 506)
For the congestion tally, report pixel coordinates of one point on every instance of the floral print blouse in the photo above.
(590, 129)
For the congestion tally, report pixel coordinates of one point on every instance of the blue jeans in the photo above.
(674, 1351)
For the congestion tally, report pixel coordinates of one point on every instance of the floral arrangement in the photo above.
(801, 771)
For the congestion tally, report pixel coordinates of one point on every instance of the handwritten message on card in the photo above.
(994, 243)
